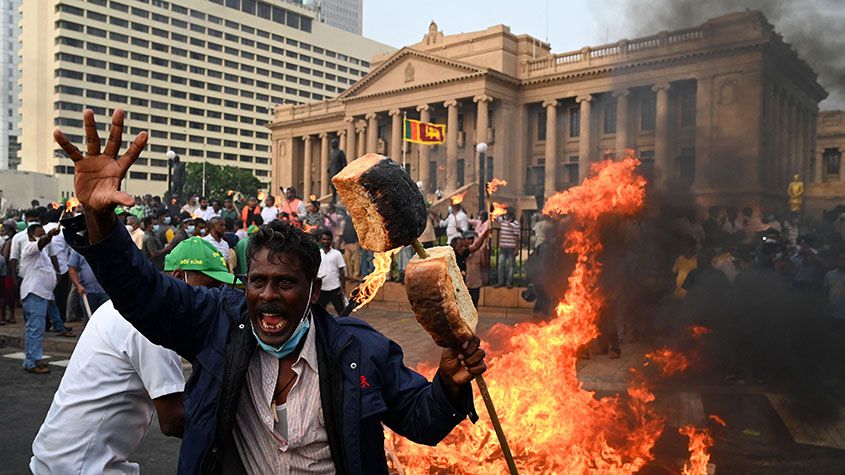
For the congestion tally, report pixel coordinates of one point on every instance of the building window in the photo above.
(648, 111)
(541, 124)
(575, 122)
(570, 171)
(610, 117)
(688, 109)
(831, 159)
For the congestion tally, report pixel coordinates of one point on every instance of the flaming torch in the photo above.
(375, 279)
(388, 211)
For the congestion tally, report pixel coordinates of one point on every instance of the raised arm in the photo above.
(167, 311)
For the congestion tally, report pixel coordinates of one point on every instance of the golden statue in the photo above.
(796, 194)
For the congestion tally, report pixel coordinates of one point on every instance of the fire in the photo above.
(699, 443)
(494, 185)
(669, 362)
(457, 198)
(552, 423)
(71, 203)
(499, 209)
(374, 280)
(697, 331)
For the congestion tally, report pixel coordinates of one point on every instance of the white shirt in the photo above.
(37, 271)
(58, 247)
(330, 265)
(17, 242)
(104, 406)
(456, 224)
(221, 245)
(305, 446)
(269, 213)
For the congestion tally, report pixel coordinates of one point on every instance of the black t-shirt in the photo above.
(349, 234)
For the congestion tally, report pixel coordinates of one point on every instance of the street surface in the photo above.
(757, 440)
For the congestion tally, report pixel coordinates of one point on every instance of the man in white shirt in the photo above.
(216, 229)
(120, 377)
(270, 213)
(456, 223)
(332, 269)
(17, 242)
(59, 249)
(39, 281)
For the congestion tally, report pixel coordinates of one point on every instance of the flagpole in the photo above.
(404, 118)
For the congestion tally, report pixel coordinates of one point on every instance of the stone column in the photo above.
(551, 147)
(372, 133)
(451, 145)
(704, 126)
(793, 139)
(351, 150)
(814, 152)
(324, 164)
(362, 138)
(621, 122)
(396, 135)
(585, 148)
(783, 155)
(482, 113)
(306, 168)
(425, 116)
(661, 134)
(341, 134)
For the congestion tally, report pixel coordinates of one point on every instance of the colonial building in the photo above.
(723, 113)
(827, 182)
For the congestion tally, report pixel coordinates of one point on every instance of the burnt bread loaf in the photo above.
(387, 208)
(439, 297)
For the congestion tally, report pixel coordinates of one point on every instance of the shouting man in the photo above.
(278, 384)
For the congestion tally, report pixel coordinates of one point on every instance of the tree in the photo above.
(219, 179)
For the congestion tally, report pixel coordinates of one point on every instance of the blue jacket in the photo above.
(211, 329)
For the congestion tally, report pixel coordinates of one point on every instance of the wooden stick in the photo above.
(485, 395)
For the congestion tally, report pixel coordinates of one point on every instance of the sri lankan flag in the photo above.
(421, 132)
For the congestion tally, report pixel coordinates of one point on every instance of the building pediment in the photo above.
(409, 68)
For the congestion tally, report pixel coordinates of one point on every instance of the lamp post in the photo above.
(481, 148)
(170, 156)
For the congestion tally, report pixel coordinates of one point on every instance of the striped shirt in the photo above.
(508, 234)
(262, 448)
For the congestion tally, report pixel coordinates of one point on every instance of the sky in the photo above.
(570, 25)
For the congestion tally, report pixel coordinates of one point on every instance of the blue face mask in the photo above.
(167, 220)
(294, 340)
(190, 229)
(156, 227)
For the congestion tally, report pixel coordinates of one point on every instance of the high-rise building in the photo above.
(9, 76)
(201, 76)
(344, 14)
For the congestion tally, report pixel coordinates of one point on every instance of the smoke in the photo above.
(813, 27)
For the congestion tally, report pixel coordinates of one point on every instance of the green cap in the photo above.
(21, 225)
(199, 255)
(251, 229)
(119, 210)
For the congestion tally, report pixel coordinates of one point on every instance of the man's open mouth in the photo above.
(272, 323)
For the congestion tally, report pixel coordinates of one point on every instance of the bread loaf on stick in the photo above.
(387, 208)
(440, 298)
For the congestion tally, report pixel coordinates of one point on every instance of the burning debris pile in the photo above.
(553, 424)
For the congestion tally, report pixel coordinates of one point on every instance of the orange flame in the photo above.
(494, 185)
(374, 280)
(669, 362)
(552, 423)
(697, 331)
(71, 203)
(718, 420)
(699, 443)
(457, 199)
(499, 209)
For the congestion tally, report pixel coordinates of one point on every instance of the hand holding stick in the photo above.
(485, 394)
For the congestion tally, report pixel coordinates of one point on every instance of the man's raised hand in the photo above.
(97, 175)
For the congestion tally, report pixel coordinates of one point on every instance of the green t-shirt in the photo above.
(240, 251)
